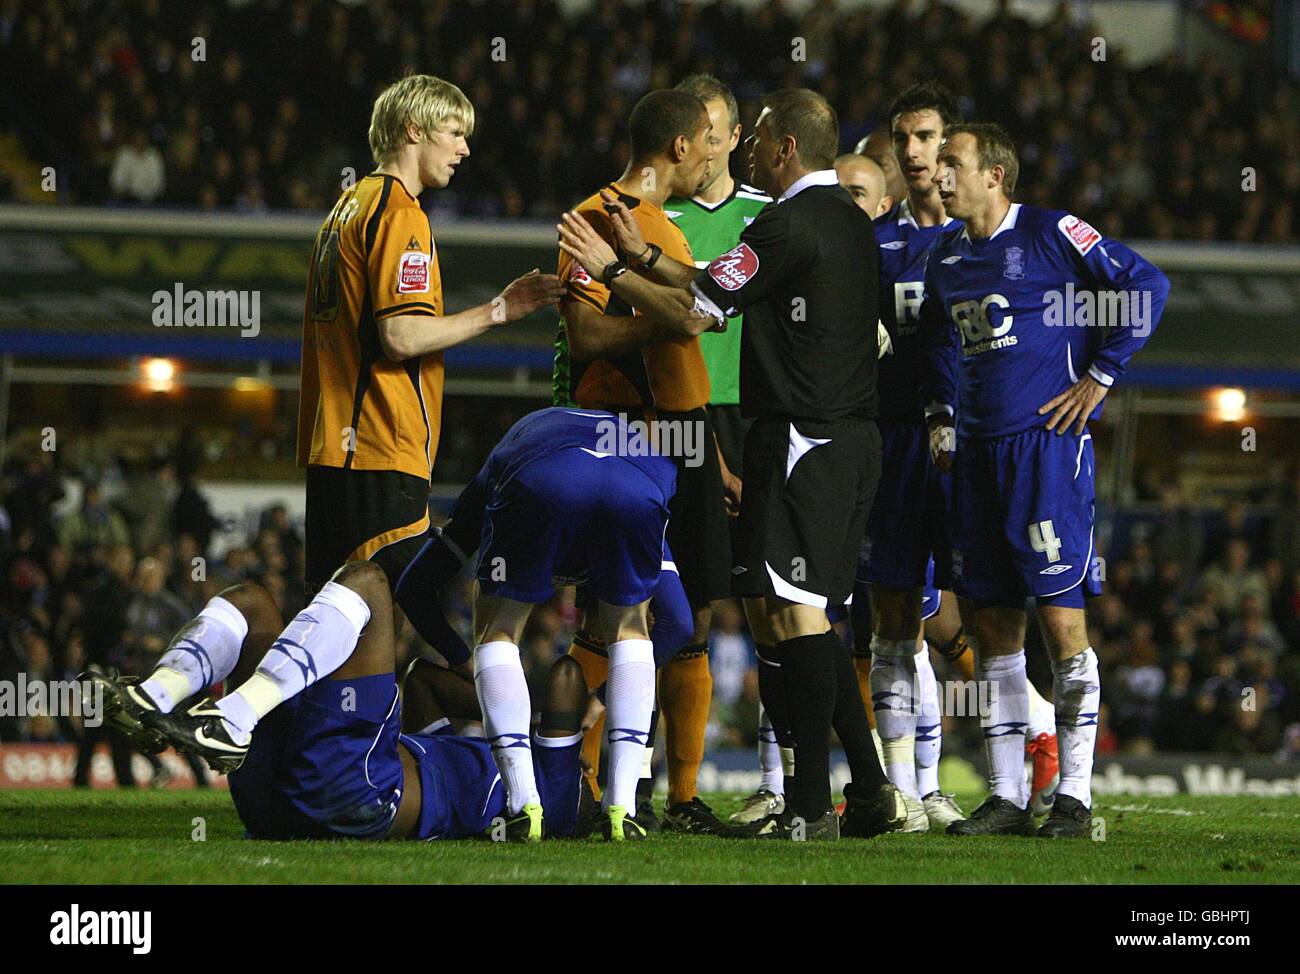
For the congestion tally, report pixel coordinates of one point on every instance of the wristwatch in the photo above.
(612, 270)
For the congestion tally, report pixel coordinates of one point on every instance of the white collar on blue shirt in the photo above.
(1008, 222)
(905, 215)
(818, 177)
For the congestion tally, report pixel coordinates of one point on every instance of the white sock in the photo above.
(1004, 725)
(893, 699)
(316, 643)
(204, 652)
(1042, 715)
(929, 725)
(629, 701)
(507, 715)
(1077, 689)
(769, 755)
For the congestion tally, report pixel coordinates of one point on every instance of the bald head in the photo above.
(879, 147)
(865, 181)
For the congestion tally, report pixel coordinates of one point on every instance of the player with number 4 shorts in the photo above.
(1021, 368)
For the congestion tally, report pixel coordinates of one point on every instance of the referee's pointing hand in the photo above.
(627, 233)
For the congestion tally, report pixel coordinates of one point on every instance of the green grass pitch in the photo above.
(148, 837)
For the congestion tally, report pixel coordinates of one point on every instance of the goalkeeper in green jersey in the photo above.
(713, 220)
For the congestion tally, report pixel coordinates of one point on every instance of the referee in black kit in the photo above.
(805, 275)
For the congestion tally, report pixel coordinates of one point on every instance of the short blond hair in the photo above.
(427, 101)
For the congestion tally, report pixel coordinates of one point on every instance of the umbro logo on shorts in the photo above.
(1056, 569)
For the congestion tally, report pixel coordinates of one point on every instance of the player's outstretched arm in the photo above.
(640, 256)
(408, 336)
(668, 272)
(672, 308)
(593, 335)
(675, 307)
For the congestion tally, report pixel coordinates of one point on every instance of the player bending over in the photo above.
(571, 493)
(454, 545)
(338, 751)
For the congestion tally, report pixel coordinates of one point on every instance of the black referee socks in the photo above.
(808, 671)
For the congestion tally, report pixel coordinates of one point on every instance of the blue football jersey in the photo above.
(1011, 322)
(904, 247)
(556, 428)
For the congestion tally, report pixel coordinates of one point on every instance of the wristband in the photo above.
(613, 269)
(655, 251)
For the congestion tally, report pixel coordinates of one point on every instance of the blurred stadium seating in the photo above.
(1155, 151)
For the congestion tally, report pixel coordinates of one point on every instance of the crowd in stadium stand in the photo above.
(1168, 150)
(1198, 631)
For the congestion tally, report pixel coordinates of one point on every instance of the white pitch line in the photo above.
(1185, 812)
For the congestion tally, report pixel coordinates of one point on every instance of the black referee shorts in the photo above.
(808, 491)
(363, 515)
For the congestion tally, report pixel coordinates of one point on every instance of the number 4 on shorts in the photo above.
(1042, 538)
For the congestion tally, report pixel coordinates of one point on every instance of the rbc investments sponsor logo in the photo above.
(984, 324)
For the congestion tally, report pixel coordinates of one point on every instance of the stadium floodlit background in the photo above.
(146, 146)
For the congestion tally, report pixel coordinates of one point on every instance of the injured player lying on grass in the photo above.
(551, 503)
(320, 740)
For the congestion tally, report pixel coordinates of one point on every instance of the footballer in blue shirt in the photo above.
(566, 493)
(1029, 317)
(352, 748)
